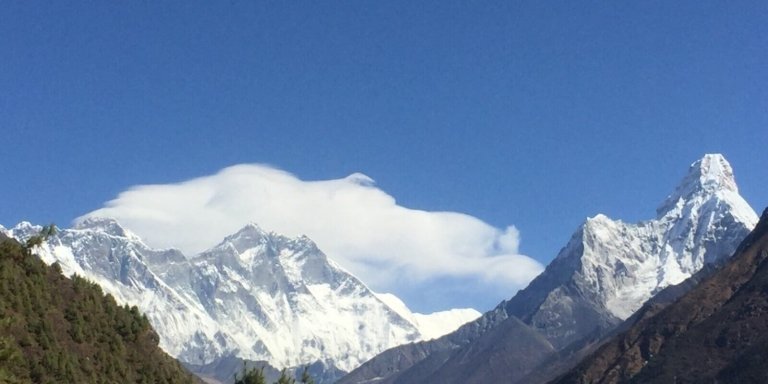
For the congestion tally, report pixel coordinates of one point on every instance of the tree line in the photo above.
(256, 376)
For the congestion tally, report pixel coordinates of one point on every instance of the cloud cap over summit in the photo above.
(357, 224)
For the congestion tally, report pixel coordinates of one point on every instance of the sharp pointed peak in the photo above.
(708, 175)
(250, 231)
(255, 231)
(252, 226)
(598, 218)
(713, 171)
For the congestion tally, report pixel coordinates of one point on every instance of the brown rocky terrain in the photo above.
(717, 332)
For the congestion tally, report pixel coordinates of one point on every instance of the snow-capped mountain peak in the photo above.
(253, 236)
(24, 230)
(610, 268)
(248, 237)
(711, 172)
(257, 295)
(605, 272)
(707, 177)
(105, 225)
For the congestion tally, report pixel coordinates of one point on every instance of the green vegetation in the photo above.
(37, 240)
(251, 376)
(256, 376)
(305, 378)
(59, 330)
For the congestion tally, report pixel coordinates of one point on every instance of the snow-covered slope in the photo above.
(105, 253)
(435, 324)
(606, 271)
(702, 221)
(283, 301)
(256, 295)
(609, 268)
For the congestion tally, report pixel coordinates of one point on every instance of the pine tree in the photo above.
(37, 240)
(305, 377)
(10, 355)
(59, 330)
(285, 379)
(251, 376)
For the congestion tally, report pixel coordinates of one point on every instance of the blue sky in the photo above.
(515, 113)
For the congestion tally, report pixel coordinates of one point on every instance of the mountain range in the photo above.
(605, 273)
(281, 302)
(257, 296)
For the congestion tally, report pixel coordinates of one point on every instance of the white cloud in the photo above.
(358, 225)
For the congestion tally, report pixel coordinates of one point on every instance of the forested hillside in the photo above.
(59, 330)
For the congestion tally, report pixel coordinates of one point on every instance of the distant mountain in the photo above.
(435, 324)
(59, 330)
(603, 275)
(258, 296)
(557, 364)
(717, 332)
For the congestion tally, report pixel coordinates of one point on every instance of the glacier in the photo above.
(699, 223)
(605, 272)
(257, 295)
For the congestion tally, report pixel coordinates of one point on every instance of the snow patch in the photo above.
(256, 295)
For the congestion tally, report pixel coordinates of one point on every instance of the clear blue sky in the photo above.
(536, 114)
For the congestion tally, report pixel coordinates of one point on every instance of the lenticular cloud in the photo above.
(358, 225)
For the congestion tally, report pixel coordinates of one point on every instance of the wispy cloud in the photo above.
(358, 225)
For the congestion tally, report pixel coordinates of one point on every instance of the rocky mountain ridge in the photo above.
(256, 295)
(716, 332)
(605, 273)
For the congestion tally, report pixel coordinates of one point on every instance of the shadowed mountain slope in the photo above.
(717, 332)
(605, 273)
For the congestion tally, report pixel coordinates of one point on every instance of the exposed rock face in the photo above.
(603, 275)
(717, 332)
(559, 363)
(257, 295)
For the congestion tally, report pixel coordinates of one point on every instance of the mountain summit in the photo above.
(710, 177)
(606, 271)
(266, 290)
(711, 173)
(257, 295)
(722, 322)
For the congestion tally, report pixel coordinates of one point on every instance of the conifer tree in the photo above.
(59, 330)
(285, 379)
(305, 377)
(251, 376)
(37, 240)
